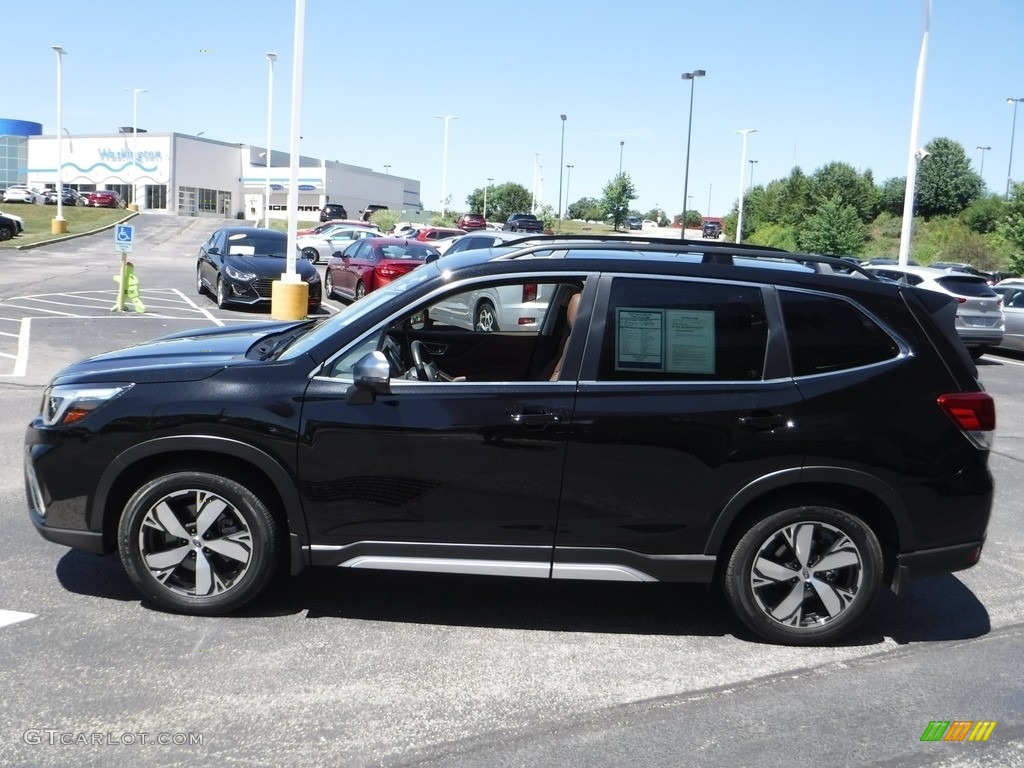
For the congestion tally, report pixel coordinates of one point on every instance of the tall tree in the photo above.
(617, 194)
(502, 200)
(946, 185)
(586, 208)
(854, 189)
(835, 228)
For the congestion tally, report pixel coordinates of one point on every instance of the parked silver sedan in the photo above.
(316, 248)
(1012, 292)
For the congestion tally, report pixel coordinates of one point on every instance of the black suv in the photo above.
(333, 211)
(785, 425)
(711, 229)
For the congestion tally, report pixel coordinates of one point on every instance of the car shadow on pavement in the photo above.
(934, 609)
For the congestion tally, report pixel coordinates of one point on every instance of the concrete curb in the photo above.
(76, 235)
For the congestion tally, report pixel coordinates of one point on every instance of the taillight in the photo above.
(974, 413)
(529, 292)
(387, 272)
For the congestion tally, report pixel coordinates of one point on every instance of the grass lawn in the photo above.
(80, 220)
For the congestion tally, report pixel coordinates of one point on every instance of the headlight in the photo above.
(66, 405)
(238, 274)
(314, 278)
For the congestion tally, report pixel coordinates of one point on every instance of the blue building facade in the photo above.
(14, 150)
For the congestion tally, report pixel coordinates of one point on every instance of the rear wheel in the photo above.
(198, 543)
(310, 255)
(6, 233)
(485, 319)
(804, 575)
(360, 290)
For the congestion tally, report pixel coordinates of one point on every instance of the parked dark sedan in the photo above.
(69, 197)
(369, 264)
(238, 265)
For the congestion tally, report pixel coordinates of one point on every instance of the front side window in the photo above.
(677, 330)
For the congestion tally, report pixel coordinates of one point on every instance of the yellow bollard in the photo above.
(289, 300)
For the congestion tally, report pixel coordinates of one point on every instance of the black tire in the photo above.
(328, 285)
(763, 577)
(6, 233)
(360, 290)
(182, 520)
(222, 295)
(310, 255)
(200, 288)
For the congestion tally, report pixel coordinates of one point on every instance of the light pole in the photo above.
(621, 145)
(135, 146)
(561, 161)
(568, 178)
(691, 76)
(59, 226)
(387, 170)
(533, 199)
(709, 199)
(271, 58)
(981, 171)
(1013, 129)
(752, 164)
(444, 160)
(742, 162)
(486, 187)
(914, 154)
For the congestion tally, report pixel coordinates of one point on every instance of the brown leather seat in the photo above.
(571, 310)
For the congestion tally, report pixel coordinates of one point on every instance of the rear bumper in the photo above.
(932, 562)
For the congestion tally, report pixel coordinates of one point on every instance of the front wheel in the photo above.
(198, 543)
(222, 293)
(804, 575)
(200, 288)
(310, 255)
(329, 284)
(360, 290)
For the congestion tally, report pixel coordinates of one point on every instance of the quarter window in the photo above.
(826, 333)
(673, 330)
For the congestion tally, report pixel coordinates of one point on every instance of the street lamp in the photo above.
(271, 58)
(444, 160)
(387, 169)
(568, 178)
(752, 164)
(486, 187)
(1013, 129)
(59, 226)
(691, 76)
(742, 162)
(621, 145)
(135, 146)
(981, 171)
(914, 156)
(561, 160)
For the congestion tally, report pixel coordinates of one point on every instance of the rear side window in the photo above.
(674, 330)
(826, 334)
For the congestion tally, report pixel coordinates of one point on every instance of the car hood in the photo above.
(185, 356)
(269, 266)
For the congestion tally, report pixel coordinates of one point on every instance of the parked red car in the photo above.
(104, 198)
(438, 233)
(472, 221)
(368, 264)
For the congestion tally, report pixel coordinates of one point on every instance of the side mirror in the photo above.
(431, 258)
(215, 251)
(371, 377)
(337, 255)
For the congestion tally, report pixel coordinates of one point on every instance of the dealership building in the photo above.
(187, 175)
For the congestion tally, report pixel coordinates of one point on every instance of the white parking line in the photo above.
(196, 307)
(1006, 360)
(13, 617)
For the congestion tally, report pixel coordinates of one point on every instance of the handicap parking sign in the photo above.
(124, 237)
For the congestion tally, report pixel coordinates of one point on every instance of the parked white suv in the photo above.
(979, 313)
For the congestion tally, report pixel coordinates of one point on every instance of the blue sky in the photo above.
(820, 80)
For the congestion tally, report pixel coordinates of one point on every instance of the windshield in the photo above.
(357, 309)
(256, 244)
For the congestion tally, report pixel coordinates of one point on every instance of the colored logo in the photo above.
(958, 730)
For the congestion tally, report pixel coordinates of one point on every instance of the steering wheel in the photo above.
(423, 363)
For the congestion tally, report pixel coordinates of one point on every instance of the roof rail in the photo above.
(717, 252)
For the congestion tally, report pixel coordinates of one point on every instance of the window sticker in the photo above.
(665, 340)
(639, 339)
(691, 341)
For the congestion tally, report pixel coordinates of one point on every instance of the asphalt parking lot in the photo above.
(362, 668)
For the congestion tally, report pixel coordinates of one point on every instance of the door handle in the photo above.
(534, 418)
(767, 421)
